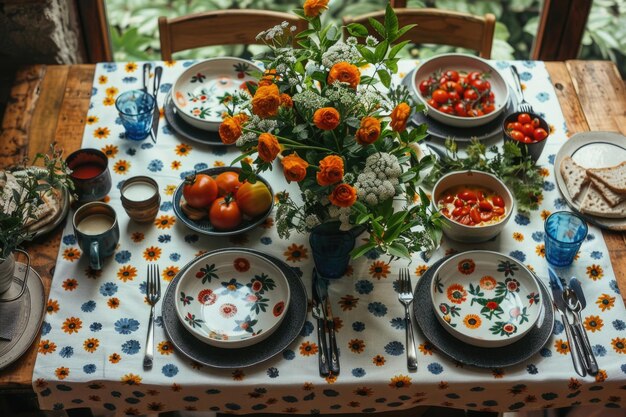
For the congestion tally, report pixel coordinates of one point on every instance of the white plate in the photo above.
(198, 90)
(485, 298)
(591, 150)
(232, 299)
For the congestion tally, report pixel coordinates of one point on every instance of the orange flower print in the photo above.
(114, 358)
(331, 379)
(121, 167)
(421, 270)
(562, 346)
(518, 236)
(169, 190)
(70, 284)
(110, 151)
(308, 349)
(379, 269)
(165, 348)
(137, 237)
(71, 254)
(601, 376)
(356, 346)
(131, 379)
(218, 164)
(62, 372)
(130, 67)
(544, 172)
(364, 392)
(456, 293)
(545, 214)
(241, 264)
(472, 321)
(46, 346)
(52, 306)
(127, 273)
(540, 250)
(91, 345)
(101, 133)
(183, 149)
(268, 223)
(72, 325)
(426, 348)
(92, 120)
(153, 253)
(595, 272)
(379, 360)
(593, 323)
(296, 253)
(466, 266)
(103, 79)
(497, 373)
(605, 302)
(348, 302)
(175, 165)
(169, 273)
(488, 283)
(400, 381)
(111, 91)
(619, 344)
(164, 222)
(238, 375)
(113, 303)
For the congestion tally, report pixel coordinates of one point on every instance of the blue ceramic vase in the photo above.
(331, 248)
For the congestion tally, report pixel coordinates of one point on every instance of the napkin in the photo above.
(8, 319)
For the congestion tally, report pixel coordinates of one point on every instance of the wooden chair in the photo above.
(440, 27)
(220, 27)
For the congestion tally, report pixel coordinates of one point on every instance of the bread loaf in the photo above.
(595, 205)
(612, 177)
(574, 175)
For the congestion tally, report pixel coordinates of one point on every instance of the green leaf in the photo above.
(378, 27)
(397, 48)
(391, 22)
(362, 250)
(381, 50)
(402, 32)
(367, 54)
(357, 29)
(385, 77)
(399, 250)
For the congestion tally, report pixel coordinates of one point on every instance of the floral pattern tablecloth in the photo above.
(92, 343)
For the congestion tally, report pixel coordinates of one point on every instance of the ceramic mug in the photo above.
(140, 198)
(90, 174)
(96, 231)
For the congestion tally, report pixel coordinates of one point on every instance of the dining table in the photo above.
(72, 105)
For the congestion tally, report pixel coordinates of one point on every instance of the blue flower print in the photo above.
(614, 287)
(95, 326)
(532, 369)
(398, 323)
(166, 206)
(164, 238)
(165, 129)
(185, 174)
(88, 306)
(66, 352)
(372, 254)
(219, 151)
(551, 158)
(120, 185)
(545, 352)
(538, 236)
(529, 64)
(521, 219)
(188, 63)
(519, 255)
(560, 203)
(126, 326)
(266, 240)
(619, 325)
(525, 76)
(289, 354)
(558, 327)
(131, 151)
(118, 121)
(378, 309)
(596, 255)
(548, 186)
(89, 369)
(358, 326)
(109, 66)
(307, 329)
(543, 97)
(169, 370)
(502, 65)
(108, 289)
(360, 372)
(45, 328)
(623, 368)
(174, 257)
(590, 237)
(131, 347)
(272, 372)
(598, 350)
(146, 145)
(94, 91)
(158, 321)
(191, 238)
(200, 166)
(394, 348)
(69, 240)
(129, 80)
(122, 257)
(142, 287)
(363, 286)
(165, 88)
(155, 165)
(435, 368)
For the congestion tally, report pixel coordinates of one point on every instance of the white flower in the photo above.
(352, 41)
(284, 24)
(371, 41)
(247, 137)
(311, 221)
(340, 52)
(309, 100)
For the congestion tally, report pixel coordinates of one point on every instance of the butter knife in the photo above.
(578, 303)
(317, 309)
(327, 312)
(158, 72)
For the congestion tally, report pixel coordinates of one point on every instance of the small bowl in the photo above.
(485, 298)
(480, 233)
(533, 149)
(466, 63)
(232, 299)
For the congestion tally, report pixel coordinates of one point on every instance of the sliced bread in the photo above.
(574, 175)
(609, 195)
(612, 177)
(594, 204)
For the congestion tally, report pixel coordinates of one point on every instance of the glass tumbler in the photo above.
(564, 233)
(136, 109)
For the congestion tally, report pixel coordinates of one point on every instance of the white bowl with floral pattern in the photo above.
(485, 298)
(198, 93)
(232, 299)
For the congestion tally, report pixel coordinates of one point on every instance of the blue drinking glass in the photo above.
(136, 108)
(331, 248)
(565, 232)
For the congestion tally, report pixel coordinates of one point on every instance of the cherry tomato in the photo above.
(497, 201)
(475, 113)
(424, 88)
(459, 109)
(454, 97)
(485, 206)
(527, 139)
(452, 75)
(481, 85)
(467, 195)
(516, 134)
(448, 199)
(485, 216)
(433, 103)
(528, 129)
(491, 97)
(450, 86)
(457, 211)
(466, 220)
(473, 76)
(536, 122)
(462, 81)
(514, 126)
(225, 214)
(475, 215)
(254, 199)
(488, 107)
(443, 79)
(498, 211)
(200, 190)
(227, 182)
(540, 134)
(465, 210)
(459, 203)
(446, 109)
(524, 118)
(440, 96)
(470, 94)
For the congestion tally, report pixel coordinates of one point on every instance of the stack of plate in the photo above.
(234, 308)
(484, 309)
(193, 108)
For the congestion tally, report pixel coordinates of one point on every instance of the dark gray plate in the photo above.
(497, 357)
(216, 357)
(186, 130)
(440, 130)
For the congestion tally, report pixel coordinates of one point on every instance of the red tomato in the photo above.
(485, 205)
(459, 203)
(425, 88)
(470, 94)
(466, 220)
(488, 107)
(454, 97)
(514, 126)
(485, 216)
(497, 201)
(200, 190)
(433, 103)
(536, 122)
(459, 109)
(440, 96)
(473, 76)
(462, 81)
(481, 85)
(528, 139)
(540, 134)
(498, 210)
(452, 75)
(450, 86)
(467, 196)
(516, 134)
(475, 215)
(227, 182)
(457, 211)
(524, 118)
(254, 199)
(448, 199)
(446, 109)
(225, 214)
(528, 129)
(475, 113)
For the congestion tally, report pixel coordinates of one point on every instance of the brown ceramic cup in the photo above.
(90, 174)
(140, 198)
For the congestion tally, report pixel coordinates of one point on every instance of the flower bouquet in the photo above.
(327, 110)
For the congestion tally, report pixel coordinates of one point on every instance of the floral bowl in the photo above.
(485, 298)
(198, 91)
(232, 299)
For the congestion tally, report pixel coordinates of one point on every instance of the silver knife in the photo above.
(327, 312)
(317, 309)
(561, 307)
(579, 301)
(146, 76)
(158, 72)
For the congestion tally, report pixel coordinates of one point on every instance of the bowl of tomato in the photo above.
(214, 202)
(460, 90)
(475, 206)
(527, 130)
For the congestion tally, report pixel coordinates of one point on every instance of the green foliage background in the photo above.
(135, 35)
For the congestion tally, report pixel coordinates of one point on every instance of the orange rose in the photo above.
(230, 130)
(369, 130)
(399, 117)
(266, 101)
(344, 195)
(345, 73)
(269, 78)
(241, 118)
(286, 101)
(294, 167)
(268, 147)
(326, 118)
(331, 170)
(313, 8)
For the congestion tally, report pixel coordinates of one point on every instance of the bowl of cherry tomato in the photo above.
(461, 90)
(215, 202)
(527, 130)
(474, 205)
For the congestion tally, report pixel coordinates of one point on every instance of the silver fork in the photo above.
(405, 296)
(153, 294)
(524, 106)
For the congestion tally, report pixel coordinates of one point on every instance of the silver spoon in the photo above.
(575, 306)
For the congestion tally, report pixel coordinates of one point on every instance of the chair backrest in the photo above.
(220, 27)
(440, 27)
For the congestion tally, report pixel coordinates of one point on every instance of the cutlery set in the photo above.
(322, 312)
(156, 84)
